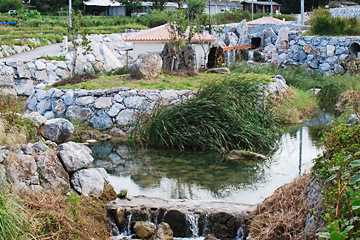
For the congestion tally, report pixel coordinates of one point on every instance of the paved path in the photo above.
(51, 50)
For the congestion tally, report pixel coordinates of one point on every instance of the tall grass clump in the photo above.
(224, 115)
(12, 223)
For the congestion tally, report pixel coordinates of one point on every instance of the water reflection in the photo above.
(204, 175)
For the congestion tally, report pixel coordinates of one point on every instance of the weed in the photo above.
(55, 58)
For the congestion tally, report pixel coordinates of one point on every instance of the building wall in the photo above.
(143, 47)
(117, 11)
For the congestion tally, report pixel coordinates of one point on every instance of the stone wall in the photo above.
(318, 53)
(347, 12)
(22, 77)
(103, 109)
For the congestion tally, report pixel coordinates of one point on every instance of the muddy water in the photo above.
(205, 176)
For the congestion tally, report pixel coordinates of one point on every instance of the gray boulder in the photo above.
(24, 87)
(88, 182)
(53, 175)
(74, 156)
(146, 65)
(58, 130)
(125, 118)
(243, 31)
(282, 42)
(78, 113)
(101, 121)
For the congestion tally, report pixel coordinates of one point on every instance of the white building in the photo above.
(154, 39)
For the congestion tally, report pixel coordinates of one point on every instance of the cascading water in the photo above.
(127, 227)
(193, 221)
(206, 230)
(251, 57)
(240, 234)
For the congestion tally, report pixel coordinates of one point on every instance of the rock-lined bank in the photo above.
(104, 109)
(47, 166)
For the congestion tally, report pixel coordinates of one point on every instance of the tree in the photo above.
(184, 24)
(79, 41)
(51, 6)
(6, 5)
(159, 4)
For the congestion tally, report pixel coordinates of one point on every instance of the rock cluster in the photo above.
(103, 109)
(39, 166)
(347, 12)
(321, 53)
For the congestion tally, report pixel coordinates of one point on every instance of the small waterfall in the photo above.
(240, 234)
(205, 224)
(127, 228)
(251, 57)
(193, 220)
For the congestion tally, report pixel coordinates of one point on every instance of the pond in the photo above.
(197, 175)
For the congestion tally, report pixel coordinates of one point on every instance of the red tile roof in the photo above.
(266, 20)
(162, 33)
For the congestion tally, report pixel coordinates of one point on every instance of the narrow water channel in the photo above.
(205, 176)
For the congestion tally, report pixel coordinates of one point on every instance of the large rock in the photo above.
(144, 229)
(74, 156)
(53, 175)
(78, 113)
(88, 182)
(177, 221)
(222, 70)
(243, 31)
(146, 65)
(101, 121)
(21, 169)
(58, 130)
(163, 232)
(224, 225)
(109, 60)
(24, 87)
(269, 37)
(282, 43)
(125, 118)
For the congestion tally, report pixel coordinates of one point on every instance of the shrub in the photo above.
(225, 115)
(153, 19)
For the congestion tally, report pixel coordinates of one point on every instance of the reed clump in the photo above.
(224, 115)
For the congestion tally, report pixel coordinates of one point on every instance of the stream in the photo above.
(204, 176)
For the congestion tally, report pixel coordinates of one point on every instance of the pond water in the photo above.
(204, 176)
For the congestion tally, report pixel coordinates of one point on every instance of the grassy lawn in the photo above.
(164, 82)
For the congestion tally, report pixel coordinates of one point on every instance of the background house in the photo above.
(154, 39)
(261, 6)
(107, 7)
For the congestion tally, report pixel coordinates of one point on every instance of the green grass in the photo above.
(227, 114)
(164, 82)
(300, 78)
(13, 225)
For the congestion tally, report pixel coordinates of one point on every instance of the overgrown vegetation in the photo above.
(13, 224)
(283, 214)
(14, 130)
(322, 23)
(339, 170)
(224, 115)
(331, 86)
